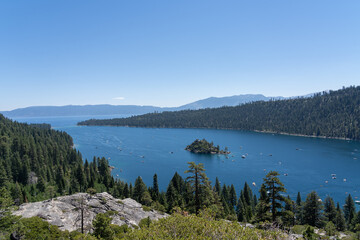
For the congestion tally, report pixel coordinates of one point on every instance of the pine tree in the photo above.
(6, 219)
(3, 176)
(349, 210)
(155, 188)
(275, 187)
(171, 196)
(340, 222)
(262, 211)
(225, 195)
(126, 191)
(240, 211)
(198, 180)
(330, 209)
(102, 229)
(217, 186)
(233, 198)
(16, 194)
(299, 215)
(288, 216)
(139, 190)
(312, 210)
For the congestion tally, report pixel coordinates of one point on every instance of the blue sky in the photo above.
(169, 53)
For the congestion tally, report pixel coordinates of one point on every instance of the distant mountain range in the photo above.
(216, 102)
(105, 109)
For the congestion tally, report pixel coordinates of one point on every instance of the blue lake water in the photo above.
(308, 162)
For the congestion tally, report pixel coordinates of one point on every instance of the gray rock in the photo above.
(65, 212)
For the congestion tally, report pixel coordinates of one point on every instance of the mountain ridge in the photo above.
(108, 109)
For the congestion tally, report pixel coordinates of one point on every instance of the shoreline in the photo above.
(303, 135)
(257, 131)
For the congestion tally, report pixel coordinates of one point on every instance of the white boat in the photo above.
(243, 156)
(357, 202)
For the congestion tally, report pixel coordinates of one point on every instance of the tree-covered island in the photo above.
(203, 146)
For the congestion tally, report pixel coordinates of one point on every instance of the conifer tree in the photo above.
(126, 191)
(262, 211)
(217, 186)
(312, 210)
(233, 198)
(330, 209)
(240, 211)
(275, 187)
(139, 190)
(349, 210)
(198, 181)
(155, 188)
(340, 222)
(171, 196)
(299, 210)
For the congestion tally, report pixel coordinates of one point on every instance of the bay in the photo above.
(305, 164)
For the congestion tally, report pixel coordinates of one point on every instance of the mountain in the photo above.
(106, 109)
(334, 114)
(75, 110)
(215, 102)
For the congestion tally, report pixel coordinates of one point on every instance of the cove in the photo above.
(305, 164)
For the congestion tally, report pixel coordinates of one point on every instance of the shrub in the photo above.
(178, 226)
(145, 222)
(146, 208)
(91, 191)
(330, 229)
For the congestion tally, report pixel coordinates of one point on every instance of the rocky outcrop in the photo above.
(65, 212)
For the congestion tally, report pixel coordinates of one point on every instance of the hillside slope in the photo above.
(334, 114)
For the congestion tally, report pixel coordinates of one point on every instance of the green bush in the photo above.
(178, 226)
(298, 229)
(91, 191)
(146, 208)
(145, 222)
(119, 231)
(330, 229)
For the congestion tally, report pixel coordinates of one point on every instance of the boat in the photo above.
(243, 156)
(357, 202)
(285, 174)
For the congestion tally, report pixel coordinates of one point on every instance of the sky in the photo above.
(170, 53)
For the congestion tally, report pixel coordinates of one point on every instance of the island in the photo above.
(203, 146)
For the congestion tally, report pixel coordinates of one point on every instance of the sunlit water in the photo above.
(307, 162)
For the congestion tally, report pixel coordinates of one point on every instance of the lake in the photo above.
(308, 162)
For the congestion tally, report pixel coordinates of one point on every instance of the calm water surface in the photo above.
(307, 162)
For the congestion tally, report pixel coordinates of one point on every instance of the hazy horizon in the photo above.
(152, 105)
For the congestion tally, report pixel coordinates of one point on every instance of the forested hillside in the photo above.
(334, 114)
(37, 163)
